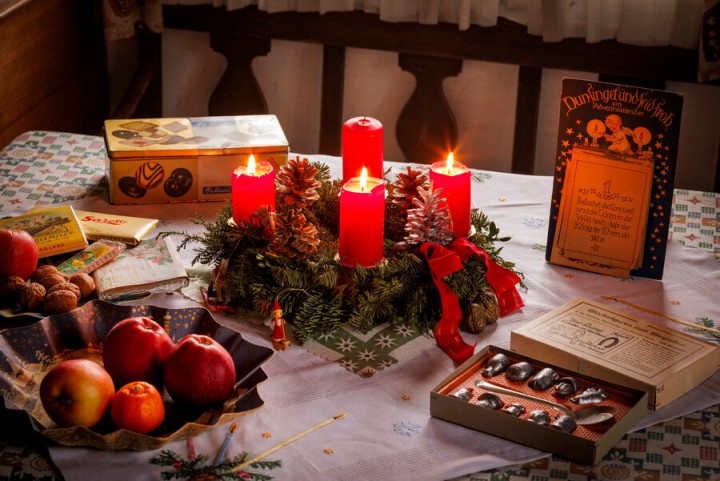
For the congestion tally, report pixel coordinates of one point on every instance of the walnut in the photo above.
(483, 311)
(85, 282)
(49, 280)
(31, 296)
(66, 286)
(60, 301)
(42, 271)
(10, 289)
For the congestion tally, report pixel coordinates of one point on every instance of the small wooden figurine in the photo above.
(278, 325)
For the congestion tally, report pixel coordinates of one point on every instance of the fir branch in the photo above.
(262, 464)
(326, 210)
(324, 275)
(200, 469)
(705, 322)
(166, 458)
(377, 304)
(228, 469)
(317, 316)
(323, 172)
(486, 235)
(181, 468)
(289, 276)
(423, 308)
(257, 476)
(468, 282)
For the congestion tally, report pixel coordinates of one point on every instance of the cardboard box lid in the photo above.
(177, 137)
(597, 340)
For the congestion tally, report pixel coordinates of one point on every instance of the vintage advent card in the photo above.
(614, 175)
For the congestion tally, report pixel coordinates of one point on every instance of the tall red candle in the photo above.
(253, 186)
(362, 146)
(362, 221)
(454, 180)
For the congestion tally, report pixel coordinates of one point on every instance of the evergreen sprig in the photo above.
(318, 294)
(200, 468)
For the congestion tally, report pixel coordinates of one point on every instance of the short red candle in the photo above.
(253, 186)
(454, 180)
(362, 222)
(362, 146)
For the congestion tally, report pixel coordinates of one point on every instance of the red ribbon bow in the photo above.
(444, 261)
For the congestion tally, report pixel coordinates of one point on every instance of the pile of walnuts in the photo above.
(47, 290)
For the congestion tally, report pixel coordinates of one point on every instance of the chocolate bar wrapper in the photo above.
(152, 266)
(95, 255)
(118, 228)
(56, 230)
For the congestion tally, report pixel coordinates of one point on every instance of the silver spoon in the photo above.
(585, 415)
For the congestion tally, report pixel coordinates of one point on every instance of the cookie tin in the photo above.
(164, 160)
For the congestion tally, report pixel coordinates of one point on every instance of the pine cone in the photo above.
(406, 188)
(297, 182)
(294, 236)
(429, 220)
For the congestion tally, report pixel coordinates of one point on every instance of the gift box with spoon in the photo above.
(517, 397)
(600, 340)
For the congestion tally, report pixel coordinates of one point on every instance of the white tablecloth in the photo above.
(388, 432)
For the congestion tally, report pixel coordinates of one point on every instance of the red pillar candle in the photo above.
(362, 221)
(454, 180)
(362, 146)
(252, 186)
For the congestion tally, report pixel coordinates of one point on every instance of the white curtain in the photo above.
(638, 22)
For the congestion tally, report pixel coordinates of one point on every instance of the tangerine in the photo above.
(138, 407)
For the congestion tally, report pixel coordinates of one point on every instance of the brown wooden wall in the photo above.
(53, 68)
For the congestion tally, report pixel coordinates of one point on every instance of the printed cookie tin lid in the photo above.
(164, 137)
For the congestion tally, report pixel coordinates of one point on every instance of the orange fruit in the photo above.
(137, 406)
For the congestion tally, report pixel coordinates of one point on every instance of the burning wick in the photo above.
(450, 160)
(363, 179)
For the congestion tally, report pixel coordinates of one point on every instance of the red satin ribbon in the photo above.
(445, 261)
(501, 280)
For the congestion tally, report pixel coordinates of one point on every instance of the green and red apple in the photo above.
(199, 371)
(135, 349)
(76, 392)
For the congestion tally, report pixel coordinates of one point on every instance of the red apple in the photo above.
(76, 392)
(200, 371)
(134, 350)
(18, 253)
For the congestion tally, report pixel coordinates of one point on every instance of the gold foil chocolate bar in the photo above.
(119, 228)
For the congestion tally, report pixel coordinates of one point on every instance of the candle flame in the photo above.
(251, 165)
(450, 160)
(363, 179)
